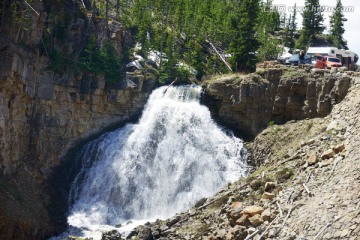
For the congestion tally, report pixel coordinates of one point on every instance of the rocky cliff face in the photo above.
(44, 112)
(249, 103)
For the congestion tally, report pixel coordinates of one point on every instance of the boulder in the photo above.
(267, 215)
(256, 220)
(252, 210)
(243, 221)
(236, 205)
(234, 213)
(173, 221)
(237, 232)
(267, 195)
(111, 235)
(144, 232)
(309, 142)
(328, 154)
(200, 202)
(312, 159)
(339, 148)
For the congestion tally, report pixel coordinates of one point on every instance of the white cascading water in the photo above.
(174, 156)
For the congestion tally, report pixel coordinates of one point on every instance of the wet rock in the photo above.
(200, 202)
(173, 221)
(168, 232)
(143, 232)
(111, 235)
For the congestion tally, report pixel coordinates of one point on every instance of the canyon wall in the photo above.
(249, 103)
(44, 112)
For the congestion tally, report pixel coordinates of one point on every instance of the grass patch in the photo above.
(284, 174)
(221, 201)
(202, 230)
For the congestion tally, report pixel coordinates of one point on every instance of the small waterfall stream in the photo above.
(160, 166)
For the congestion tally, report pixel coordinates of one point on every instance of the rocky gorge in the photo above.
(301, 124)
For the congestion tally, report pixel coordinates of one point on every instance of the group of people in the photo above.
(320, 60)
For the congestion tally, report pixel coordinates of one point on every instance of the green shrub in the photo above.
(102, 61)
(271, 123)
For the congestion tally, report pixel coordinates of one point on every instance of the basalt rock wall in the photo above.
(249, 103)
(44, 112)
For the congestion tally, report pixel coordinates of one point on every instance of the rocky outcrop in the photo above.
(248, 103)
(45, 112)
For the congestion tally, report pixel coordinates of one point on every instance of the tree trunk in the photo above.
(3, 13)
(117, 8)
(107, 10)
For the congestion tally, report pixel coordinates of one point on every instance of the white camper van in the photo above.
(347, 57)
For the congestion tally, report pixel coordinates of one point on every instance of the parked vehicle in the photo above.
(282, 57)
(294, 60)
(347, 57)
(332, 62)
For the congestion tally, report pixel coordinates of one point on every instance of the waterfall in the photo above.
(160, 166)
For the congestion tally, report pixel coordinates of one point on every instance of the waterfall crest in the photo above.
(174, 156)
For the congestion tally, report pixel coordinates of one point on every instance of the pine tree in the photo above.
(312, 24)
(290, 30)
(337, 27)
(268, 23)
(245, 42)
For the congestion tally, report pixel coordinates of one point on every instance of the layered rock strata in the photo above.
(249, 103)
(44, 112)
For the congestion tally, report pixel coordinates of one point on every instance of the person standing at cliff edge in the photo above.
(301, 57)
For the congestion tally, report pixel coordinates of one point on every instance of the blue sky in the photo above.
(352, 25)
